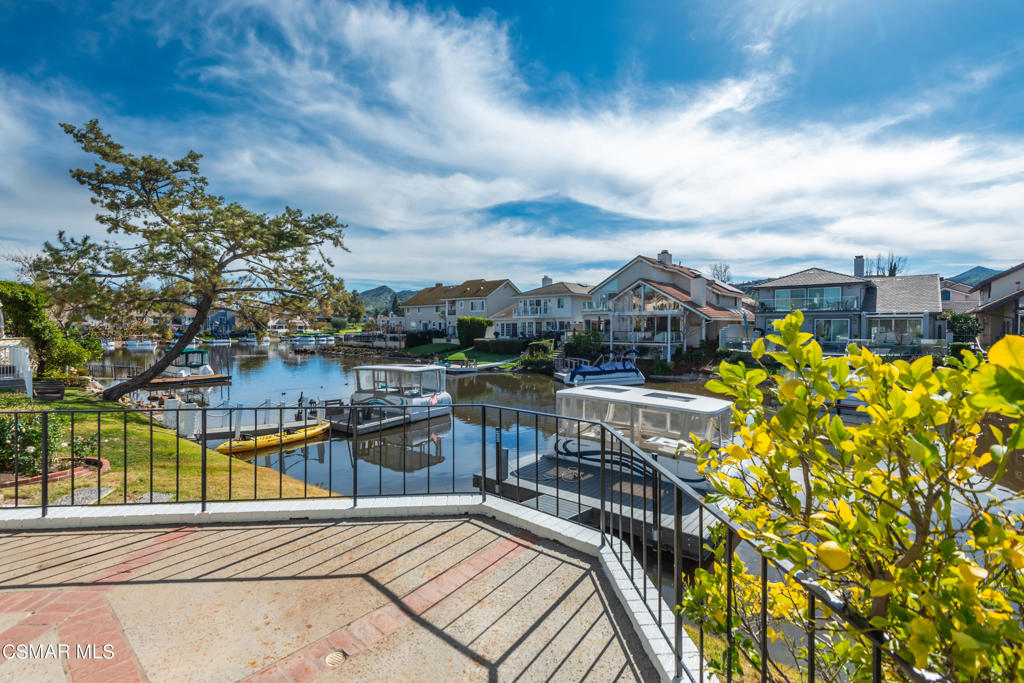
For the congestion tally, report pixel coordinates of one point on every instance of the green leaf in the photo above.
(880, 588)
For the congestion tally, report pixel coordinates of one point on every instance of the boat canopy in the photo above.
(645, 415)
(407, 380)
(191, 358)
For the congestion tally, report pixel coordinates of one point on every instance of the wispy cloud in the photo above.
(412, 122)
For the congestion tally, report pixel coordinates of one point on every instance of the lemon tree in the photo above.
(891, 514)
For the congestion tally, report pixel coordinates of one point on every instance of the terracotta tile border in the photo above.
(82, 615)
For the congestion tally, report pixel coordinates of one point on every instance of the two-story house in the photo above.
(552, 307)
(839, 308)
(439, 307)
(958, 296)
(657, 304)
(1001, 311)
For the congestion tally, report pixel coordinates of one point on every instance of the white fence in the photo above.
(15, 364)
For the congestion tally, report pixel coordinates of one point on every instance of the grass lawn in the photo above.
(431, 349)
(478, 356)
(452, 352)
(227, 477)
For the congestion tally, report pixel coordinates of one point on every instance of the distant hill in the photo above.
(380, 297)
(974, 275)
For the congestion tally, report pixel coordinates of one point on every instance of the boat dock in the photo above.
(571, 489)
(344, 422)
(192, 380)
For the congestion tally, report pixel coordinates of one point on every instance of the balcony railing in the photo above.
(675, 337)
(595, 306)
(844, 303)
(486, 459)
(880, 347)
(530, 311)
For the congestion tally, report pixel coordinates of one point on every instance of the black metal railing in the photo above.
(584, 471)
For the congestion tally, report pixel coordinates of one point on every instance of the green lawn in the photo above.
(478, 356)
(226, 476)
(431, 349)
(452, 352)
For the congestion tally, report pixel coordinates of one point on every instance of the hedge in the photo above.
(470, 328)
(25, 315)
(509, 346)
(418, 338)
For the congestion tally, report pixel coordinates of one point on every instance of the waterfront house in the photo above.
(439, 307)
(218, 321)
(957, 296)
(655, 304)
(1001, 310)
(554, 307)
(901, 310)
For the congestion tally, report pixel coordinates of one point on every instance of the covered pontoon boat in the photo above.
(659, 422)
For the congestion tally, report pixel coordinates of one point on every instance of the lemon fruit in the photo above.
(833, 556)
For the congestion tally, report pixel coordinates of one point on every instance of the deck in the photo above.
(419, 599)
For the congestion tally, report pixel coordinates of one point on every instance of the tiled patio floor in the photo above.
(419, 600)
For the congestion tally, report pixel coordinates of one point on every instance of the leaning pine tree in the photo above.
(179, 246)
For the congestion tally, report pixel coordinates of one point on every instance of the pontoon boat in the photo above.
(659, 422)
(610, 368)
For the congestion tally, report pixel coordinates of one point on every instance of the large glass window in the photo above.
(782, 302)
(832, 330)
(895, 330)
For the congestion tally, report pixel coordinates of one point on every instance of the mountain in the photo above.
(380, 297)
(974, 275)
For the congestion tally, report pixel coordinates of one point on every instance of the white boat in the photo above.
(249, 339)
(191, 363)
(324, 339)
(419, 387)
(140, 343)
(303, 343)
(108, 344)
(610, 368)
(659, 422)
(219, 341)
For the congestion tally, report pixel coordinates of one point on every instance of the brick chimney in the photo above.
(858, 266)
(665, 257)
(439, 284)
(545, 281)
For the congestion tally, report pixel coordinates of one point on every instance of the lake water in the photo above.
(440, 457)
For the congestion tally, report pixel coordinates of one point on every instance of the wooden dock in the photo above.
(226, 432)
(194, 380)
(571, 490)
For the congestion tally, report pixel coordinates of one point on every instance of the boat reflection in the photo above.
(415, 447)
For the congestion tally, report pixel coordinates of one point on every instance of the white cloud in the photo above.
(411, 122)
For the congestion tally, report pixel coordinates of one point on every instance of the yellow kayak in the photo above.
(276, 439)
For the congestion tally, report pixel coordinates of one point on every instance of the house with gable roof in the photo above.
(900, 310)
(554, 307)
(657, 305)
(437, 308)
(1001, 311)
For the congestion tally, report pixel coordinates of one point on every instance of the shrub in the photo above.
(418, 338)
(470, 328)
(584, 345)
(661, 368)
(721, 353)
(483, 344)
(539, 363)
(25, 315)
(957, 348)
(509, 346)
(890, 514)
(541, 347)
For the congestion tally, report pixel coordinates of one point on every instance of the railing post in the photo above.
(483, 452)
(810, 636)
(602, 482)
(677, 580)
(46, 460)
(203, 462)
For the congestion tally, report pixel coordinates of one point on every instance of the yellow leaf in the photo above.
(881, 588)
(788, 389)
(843, 511)
(972, 574)
(757, 348)
(1008, 353)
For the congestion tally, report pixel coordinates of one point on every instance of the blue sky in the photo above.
(529, 138)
